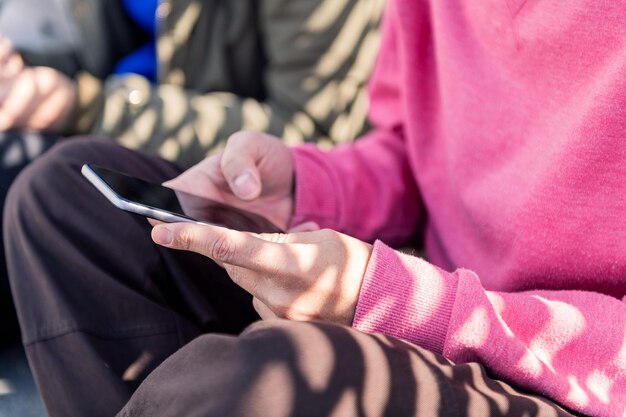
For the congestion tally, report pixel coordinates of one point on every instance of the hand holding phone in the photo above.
(255, 171)
(161, 203)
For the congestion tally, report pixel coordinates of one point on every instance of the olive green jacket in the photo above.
(293, 68)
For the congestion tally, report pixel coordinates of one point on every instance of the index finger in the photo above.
(226, 246)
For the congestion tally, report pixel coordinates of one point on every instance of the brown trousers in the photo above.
(110, 321)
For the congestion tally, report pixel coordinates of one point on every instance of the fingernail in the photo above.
(162, 235)
(245, 185)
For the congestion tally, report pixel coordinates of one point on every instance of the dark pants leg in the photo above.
(17, 150)
(281, 368)
(100, 305)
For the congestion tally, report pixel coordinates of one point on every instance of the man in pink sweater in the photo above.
(500, 141)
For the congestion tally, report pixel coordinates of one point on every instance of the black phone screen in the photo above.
(185, 204)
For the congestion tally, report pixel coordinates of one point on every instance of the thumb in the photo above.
(245, 182)
(239, 164)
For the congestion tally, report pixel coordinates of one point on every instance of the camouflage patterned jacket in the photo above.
(293, 68)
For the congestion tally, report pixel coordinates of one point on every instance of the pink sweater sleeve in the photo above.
(567, 345)
(380, 200)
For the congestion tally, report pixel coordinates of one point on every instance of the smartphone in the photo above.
(148, 199)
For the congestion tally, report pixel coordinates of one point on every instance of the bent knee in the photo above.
(47, 180)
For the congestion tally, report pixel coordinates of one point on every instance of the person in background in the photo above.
(177, 78)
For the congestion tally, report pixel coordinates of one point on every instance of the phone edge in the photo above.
(129, 206)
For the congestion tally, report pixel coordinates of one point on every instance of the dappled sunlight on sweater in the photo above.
(554, 343)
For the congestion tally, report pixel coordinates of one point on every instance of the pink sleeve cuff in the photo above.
(315, 198)
(407, 298)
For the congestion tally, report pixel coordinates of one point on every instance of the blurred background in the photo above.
(18, 394)
(37, 26)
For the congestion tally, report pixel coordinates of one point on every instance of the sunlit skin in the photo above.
(301, 275)
(33, 98)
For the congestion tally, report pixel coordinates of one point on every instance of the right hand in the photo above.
(254, 172)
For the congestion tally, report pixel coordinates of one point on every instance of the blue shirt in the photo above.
(142, 61)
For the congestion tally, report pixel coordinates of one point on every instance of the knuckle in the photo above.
(185, 239)
(222, 249)
(231, 165)
(239, 137)
(238, 143)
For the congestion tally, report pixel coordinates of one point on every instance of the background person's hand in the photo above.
(297, 276)
(32, 98)
(11, 63)
(253, 172)
(37, 98)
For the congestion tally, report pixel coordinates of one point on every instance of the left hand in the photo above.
(36, 98)
(297, 276)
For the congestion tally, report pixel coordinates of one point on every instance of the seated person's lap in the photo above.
(117, 295)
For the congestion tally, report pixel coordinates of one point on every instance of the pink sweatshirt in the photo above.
(501, 138)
